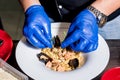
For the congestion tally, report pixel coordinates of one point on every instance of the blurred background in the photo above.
(12, 17)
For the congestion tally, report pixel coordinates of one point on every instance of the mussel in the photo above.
(68, 48)
(57, 42)
(44, 57)
(74, 63)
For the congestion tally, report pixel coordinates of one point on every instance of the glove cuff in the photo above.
(86, 14)
(34, 8)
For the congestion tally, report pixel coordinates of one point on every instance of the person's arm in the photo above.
(107, 6)
(27, 3)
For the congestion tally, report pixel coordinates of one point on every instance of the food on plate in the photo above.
(59, 59)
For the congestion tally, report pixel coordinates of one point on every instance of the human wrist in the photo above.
(99, 6)
(106, 7)
(28, 6)
(27, 3)
(33, 8)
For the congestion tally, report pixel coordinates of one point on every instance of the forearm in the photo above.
(107, 6)
(27, 3)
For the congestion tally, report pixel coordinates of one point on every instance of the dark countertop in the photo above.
(114, 46)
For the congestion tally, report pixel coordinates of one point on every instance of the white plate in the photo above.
(29, 63)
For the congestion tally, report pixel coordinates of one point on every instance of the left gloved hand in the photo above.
(83, 33)
(37, 27)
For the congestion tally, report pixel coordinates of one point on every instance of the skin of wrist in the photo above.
(104, 6)
(30, 5)
(27, 3)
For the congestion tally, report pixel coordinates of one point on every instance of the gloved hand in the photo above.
(37, 28)
(83, 33)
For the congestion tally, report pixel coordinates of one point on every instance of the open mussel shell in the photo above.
(74, 63)
(68, 48)
(44, 57)
(57, 42)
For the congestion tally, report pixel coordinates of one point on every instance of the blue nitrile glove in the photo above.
(83, 33)
(37, 27)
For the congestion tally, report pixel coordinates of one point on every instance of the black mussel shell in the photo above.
(44, 60)
(57, 42)
(74, 63)
(68, 48)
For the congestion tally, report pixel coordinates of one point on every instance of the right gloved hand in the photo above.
(37, 28)
(83, 33)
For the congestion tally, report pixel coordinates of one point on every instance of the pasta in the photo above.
(61, 60)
